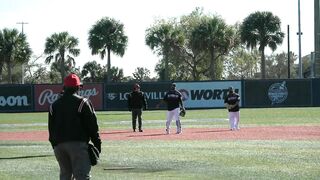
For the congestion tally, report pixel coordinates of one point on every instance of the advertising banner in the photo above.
(116, 95)
(15, 98)
(46, 94)
(207, 94)
(277, 93)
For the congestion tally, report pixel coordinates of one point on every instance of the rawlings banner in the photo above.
(46, 94)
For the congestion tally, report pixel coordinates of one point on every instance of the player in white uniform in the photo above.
(173, 98)
(232, 103)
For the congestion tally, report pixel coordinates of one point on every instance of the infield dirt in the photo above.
(247, 133)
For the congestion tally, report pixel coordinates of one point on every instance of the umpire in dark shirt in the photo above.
(136, 102)
(72, 124)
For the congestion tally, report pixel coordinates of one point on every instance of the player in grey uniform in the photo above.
(231, 101)
(173, 98)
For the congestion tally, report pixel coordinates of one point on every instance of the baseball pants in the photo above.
(73, 159)
(234, 118)
(136, 113)
(174, 114)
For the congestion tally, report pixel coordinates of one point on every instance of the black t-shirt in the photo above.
(137, 100)
(232, 98)
(173, 98)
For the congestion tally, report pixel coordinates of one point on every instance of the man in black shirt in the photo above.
(173, 98)
(72, 124)
(232, 103)
(136, 102)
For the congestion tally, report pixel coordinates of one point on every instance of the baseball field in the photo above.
(273, 143)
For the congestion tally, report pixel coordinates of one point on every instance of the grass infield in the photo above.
(174, 159)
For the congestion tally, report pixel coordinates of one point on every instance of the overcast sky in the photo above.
(45, 17)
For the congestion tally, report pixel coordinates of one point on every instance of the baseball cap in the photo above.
(135, 86)
(173, 86)
(72, 80)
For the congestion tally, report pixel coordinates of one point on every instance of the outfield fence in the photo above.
(196, 94)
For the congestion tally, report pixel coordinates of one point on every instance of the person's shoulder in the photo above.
(57, 102)
(78, 97)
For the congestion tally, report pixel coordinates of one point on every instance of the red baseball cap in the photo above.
(72, 80)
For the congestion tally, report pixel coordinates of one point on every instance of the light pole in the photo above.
(22, 65)
(317, 37)
(22, 23)
(288, 52)
(299, 34)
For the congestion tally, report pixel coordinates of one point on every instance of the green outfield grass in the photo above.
(159, 159)
(156, 119)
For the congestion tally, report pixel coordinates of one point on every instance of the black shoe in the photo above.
(140, 130)
(134, 130)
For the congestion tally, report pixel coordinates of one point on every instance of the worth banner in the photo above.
(207, 94)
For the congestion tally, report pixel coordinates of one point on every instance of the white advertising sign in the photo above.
(206, 94)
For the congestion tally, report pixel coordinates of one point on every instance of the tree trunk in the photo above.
(1, 68)
(194, 73)
(263, 65)
(62, 69)
(9, 72)
(166, 66)
(212, 66)
(109, 66)
(166, 63)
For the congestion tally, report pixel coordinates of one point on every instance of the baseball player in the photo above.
(173, 98)
(136, 102)
(231, 101)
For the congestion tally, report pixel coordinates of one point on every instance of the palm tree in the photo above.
(217, 38)
(116, 74)
(141, 74)
(163, 38)
(107, 36)
(14, 48)
(61, 47)
(263, 29)
(93, 70)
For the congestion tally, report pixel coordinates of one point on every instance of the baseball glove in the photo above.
(182, 112)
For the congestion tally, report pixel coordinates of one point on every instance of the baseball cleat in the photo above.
(179, 131)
